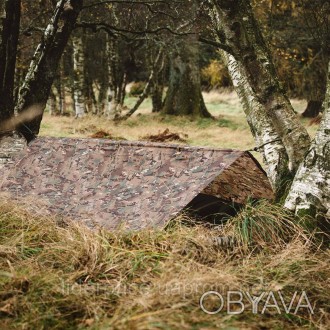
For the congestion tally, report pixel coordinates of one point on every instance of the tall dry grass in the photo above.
(61, 275)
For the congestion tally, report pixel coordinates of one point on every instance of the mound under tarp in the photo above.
(130, 185)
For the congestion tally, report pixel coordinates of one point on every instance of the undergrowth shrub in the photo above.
(215, 75)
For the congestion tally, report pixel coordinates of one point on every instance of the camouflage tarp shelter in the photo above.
(130, 185)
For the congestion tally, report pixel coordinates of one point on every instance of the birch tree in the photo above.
(116, 77)
(310, 191)
(36, 86)
(270, 115)
(266, 136)
(78, 83)
(113, 72)
(237, 27)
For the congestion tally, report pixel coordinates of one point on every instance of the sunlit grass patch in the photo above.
(229, 129)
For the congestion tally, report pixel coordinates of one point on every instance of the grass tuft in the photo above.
(262, 224)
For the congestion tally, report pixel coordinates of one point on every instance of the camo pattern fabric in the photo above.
(10, 144)
(113, 184)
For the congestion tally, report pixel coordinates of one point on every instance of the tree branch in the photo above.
(145, 3)
(216, 44)
(108, 27)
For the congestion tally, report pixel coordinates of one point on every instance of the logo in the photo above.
(237, 302)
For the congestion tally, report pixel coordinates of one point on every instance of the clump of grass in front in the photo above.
(57, 275)
(263, 224)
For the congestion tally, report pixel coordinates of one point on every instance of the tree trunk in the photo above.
(62, 99)
(184, 94)
(115, 78)
(316, 86)
(102, 97)
(35, 90)
(313, 109)
(61, 93)
(78, 83)
(157, 88)
(262, 128)
(238, 28)
(122, 95)
(157, 91)
(52, 101)
(310, 191)
(10, 12)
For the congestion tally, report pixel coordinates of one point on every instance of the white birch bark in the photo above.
(78, 66)
(262, 128)
(237, 27)
(39, 55)
(310, 191)
(34, 91)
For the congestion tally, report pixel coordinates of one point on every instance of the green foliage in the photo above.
(302, 29)
(137, 88)
(215, 75)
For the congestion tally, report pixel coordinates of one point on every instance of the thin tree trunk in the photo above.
(114, 79)
(262, 128)
(35, 90)
(61, 92)
(102, 98)
(10, 12)
(61, 85)
(121, 100)
(310, 191)
(94, 99)
(157, 88)
(63, 100)
(157, 91)
(52, 101)
(238, 28)
(79, 83)
(89, 95)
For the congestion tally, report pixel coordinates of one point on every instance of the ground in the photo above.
(55, 275)
(229, 130)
